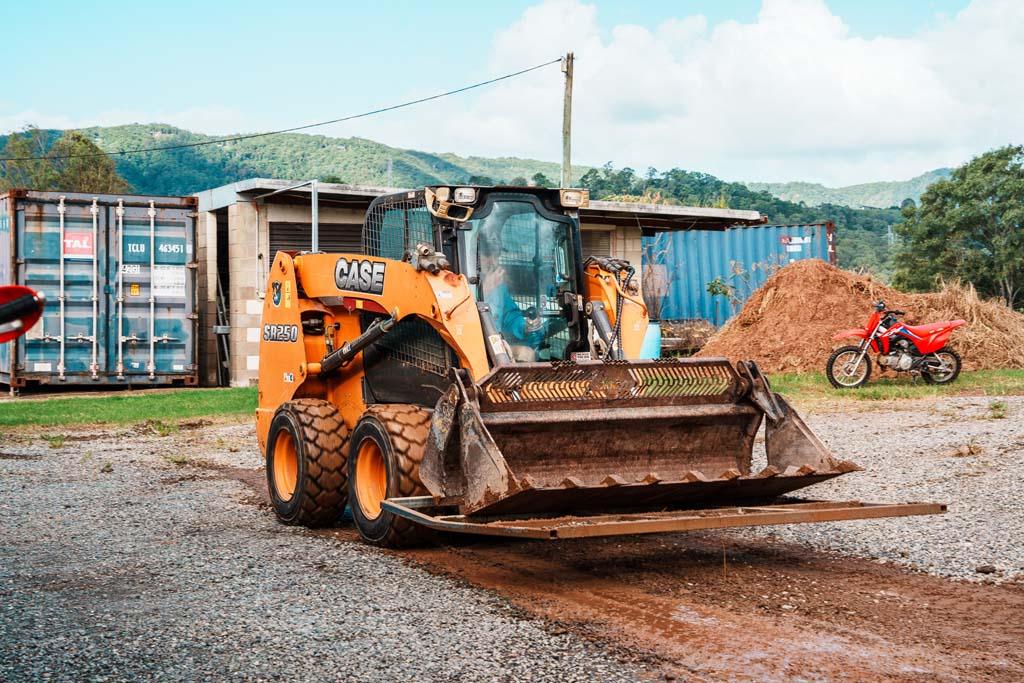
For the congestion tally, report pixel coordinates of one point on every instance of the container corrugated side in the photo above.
(742, 257)
(99, 260)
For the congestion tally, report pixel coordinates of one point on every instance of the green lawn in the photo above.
(812, 386)
(172, 404)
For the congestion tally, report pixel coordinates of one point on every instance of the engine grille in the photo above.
(414, 342)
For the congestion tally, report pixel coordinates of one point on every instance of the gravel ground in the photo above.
(116, 563)
(122, 559)
(950, 451)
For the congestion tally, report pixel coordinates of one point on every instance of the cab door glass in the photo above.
(523, 265)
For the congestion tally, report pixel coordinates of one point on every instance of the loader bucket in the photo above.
(565, 438)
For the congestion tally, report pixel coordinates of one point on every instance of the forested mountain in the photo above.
(881, 194)
(862, 233)
(291, 155)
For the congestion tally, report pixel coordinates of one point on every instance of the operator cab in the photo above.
(518, 247)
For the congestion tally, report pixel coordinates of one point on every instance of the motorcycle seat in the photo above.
(932, 328)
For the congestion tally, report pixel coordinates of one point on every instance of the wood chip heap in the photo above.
(787, 324)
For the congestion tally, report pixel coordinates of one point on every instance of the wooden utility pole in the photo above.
(567, 122)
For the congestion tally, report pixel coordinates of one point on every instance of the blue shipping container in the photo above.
(741, 257)
(119, 275)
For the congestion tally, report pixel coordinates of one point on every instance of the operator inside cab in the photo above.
(522, 266)
(521, 330)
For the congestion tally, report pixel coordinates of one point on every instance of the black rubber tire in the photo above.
(321, 444)
(928, 379)
(400, 431)
(830, 368)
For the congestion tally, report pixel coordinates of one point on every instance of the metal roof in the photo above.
(650, 217)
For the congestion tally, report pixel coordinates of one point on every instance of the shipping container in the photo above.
(119, 275)
(738, 260)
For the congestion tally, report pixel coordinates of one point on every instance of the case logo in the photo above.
(277, 292)
(360, 276)
(281, 333)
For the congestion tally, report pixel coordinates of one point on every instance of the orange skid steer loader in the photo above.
(470, 372)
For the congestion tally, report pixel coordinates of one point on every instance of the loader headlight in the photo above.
(574, 199)
(465, 195)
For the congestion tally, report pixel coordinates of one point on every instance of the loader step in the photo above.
(425, 510)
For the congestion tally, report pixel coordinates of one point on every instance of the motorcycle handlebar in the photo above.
(18, 308)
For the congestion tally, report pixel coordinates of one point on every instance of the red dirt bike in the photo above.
(917, 349)
(20, 308)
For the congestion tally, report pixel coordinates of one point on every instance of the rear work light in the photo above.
(465, 195)
(574, 199)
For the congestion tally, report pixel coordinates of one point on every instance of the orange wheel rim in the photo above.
(286, 465)
(371, 478)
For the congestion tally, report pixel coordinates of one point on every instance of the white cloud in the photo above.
(793, 95)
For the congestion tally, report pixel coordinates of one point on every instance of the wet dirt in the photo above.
(713, 606)
(707, 606)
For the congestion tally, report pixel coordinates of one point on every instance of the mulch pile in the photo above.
(787, 324)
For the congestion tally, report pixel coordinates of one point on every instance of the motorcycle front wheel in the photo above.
(948, 370)
(843, 369)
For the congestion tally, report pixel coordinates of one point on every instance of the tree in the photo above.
(969, 227)
(518, 181)
(84, 172)
(541, 180)
(46, 170)
(32, 173)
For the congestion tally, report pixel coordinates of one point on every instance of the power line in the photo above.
(235, 138)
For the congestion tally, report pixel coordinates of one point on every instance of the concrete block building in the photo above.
(240, 227)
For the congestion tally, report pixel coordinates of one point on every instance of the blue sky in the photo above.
(220, 67)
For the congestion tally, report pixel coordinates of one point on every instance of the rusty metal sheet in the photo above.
(423, 510)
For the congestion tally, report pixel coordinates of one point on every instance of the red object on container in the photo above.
(20, 309)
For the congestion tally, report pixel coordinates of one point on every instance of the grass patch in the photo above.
(177, 459)
(158, 428)
(55, 440)
(997, 410)
(812, 386)
(162, 407)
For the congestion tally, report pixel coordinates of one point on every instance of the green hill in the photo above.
(295, 156)
(862, 233)
(879, 195)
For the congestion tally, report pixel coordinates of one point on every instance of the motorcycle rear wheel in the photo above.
(840, 373)
(948, 357)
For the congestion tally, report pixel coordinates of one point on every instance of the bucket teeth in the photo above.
(571, 483)
(527, 483)
(794, 471)
(845, 466)
(730, 474)
(613, 480)
(769, 471)
(651, 478)
(693, 475)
